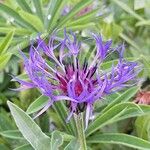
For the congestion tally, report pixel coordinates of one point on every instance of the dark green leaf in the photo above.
(24, 5)
(4, 60)
(128, 9)
(33, 20)
(110, 116)
(6, 42)
(15, 16)
(12, 134)
(38, 8)
(24, 147)
(124, 97)
(78, 7)
(119, 138)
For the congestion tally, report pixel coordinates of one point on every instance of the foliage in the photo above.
(118, 122)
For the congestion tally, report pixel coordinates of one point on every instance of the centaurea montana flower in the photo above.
(55, 68)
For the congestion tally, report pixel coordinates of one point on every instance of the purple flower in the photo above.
(55, 68)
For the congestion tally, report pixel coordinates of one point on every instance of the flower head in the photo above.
(55, 68)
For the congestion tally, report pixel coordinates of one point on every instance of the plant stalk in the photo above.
(80, 131)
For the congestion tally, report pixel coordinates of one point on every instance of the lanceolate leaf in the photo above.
(124, 97)
(53, 21)
(17, 31)
(29, 129)
(17, 18)
(123, 139)
(84, 19)
(130, 41)
(24, 44)
(108, 64)
(61, 111)
(74, 11)
(81, 27)
(6, 42)
(33, 20)
(12, 134)
(56, 140)
(4, 60)
(110, 116)
(52, 7)
(142, 125)
(38, 7)
(38, 104)
(143, 23)
(128, 9)
(73, 145)
(24, 147)
(24, 5)
(134, 112)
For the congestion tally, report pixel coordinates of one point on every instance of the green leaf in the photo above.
(38, 8)
(73, 145)
(128, 9)
(124, 97)
(146, 62)
(17, 31)
(143, 23)
(79, 6)
(12, 134)
(24, 43)
(119, 138)
(24, 147)
(16, 134)
(81, 27)
(130, 41)
(110, 29)
(52, 7)
(6, 122)
(17, 18)
(6, 42)
(62, 113)
(134, 112)
(32, 19)
(22, 76)
(29, 129)
(110, 116)
(56, 140)
(55, 16)
(38, 104)
(4, 60)
(65, 136)
(108, 64)
(83, 19)
(142, 125)
(24, 5)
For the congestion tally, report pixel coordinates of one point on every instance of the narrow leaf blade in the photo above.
(6, 42)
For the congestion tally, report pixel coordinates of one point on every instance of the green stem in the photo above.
(80, 131)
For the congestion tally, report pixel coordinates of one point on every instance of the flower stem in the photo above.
(80, 131)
